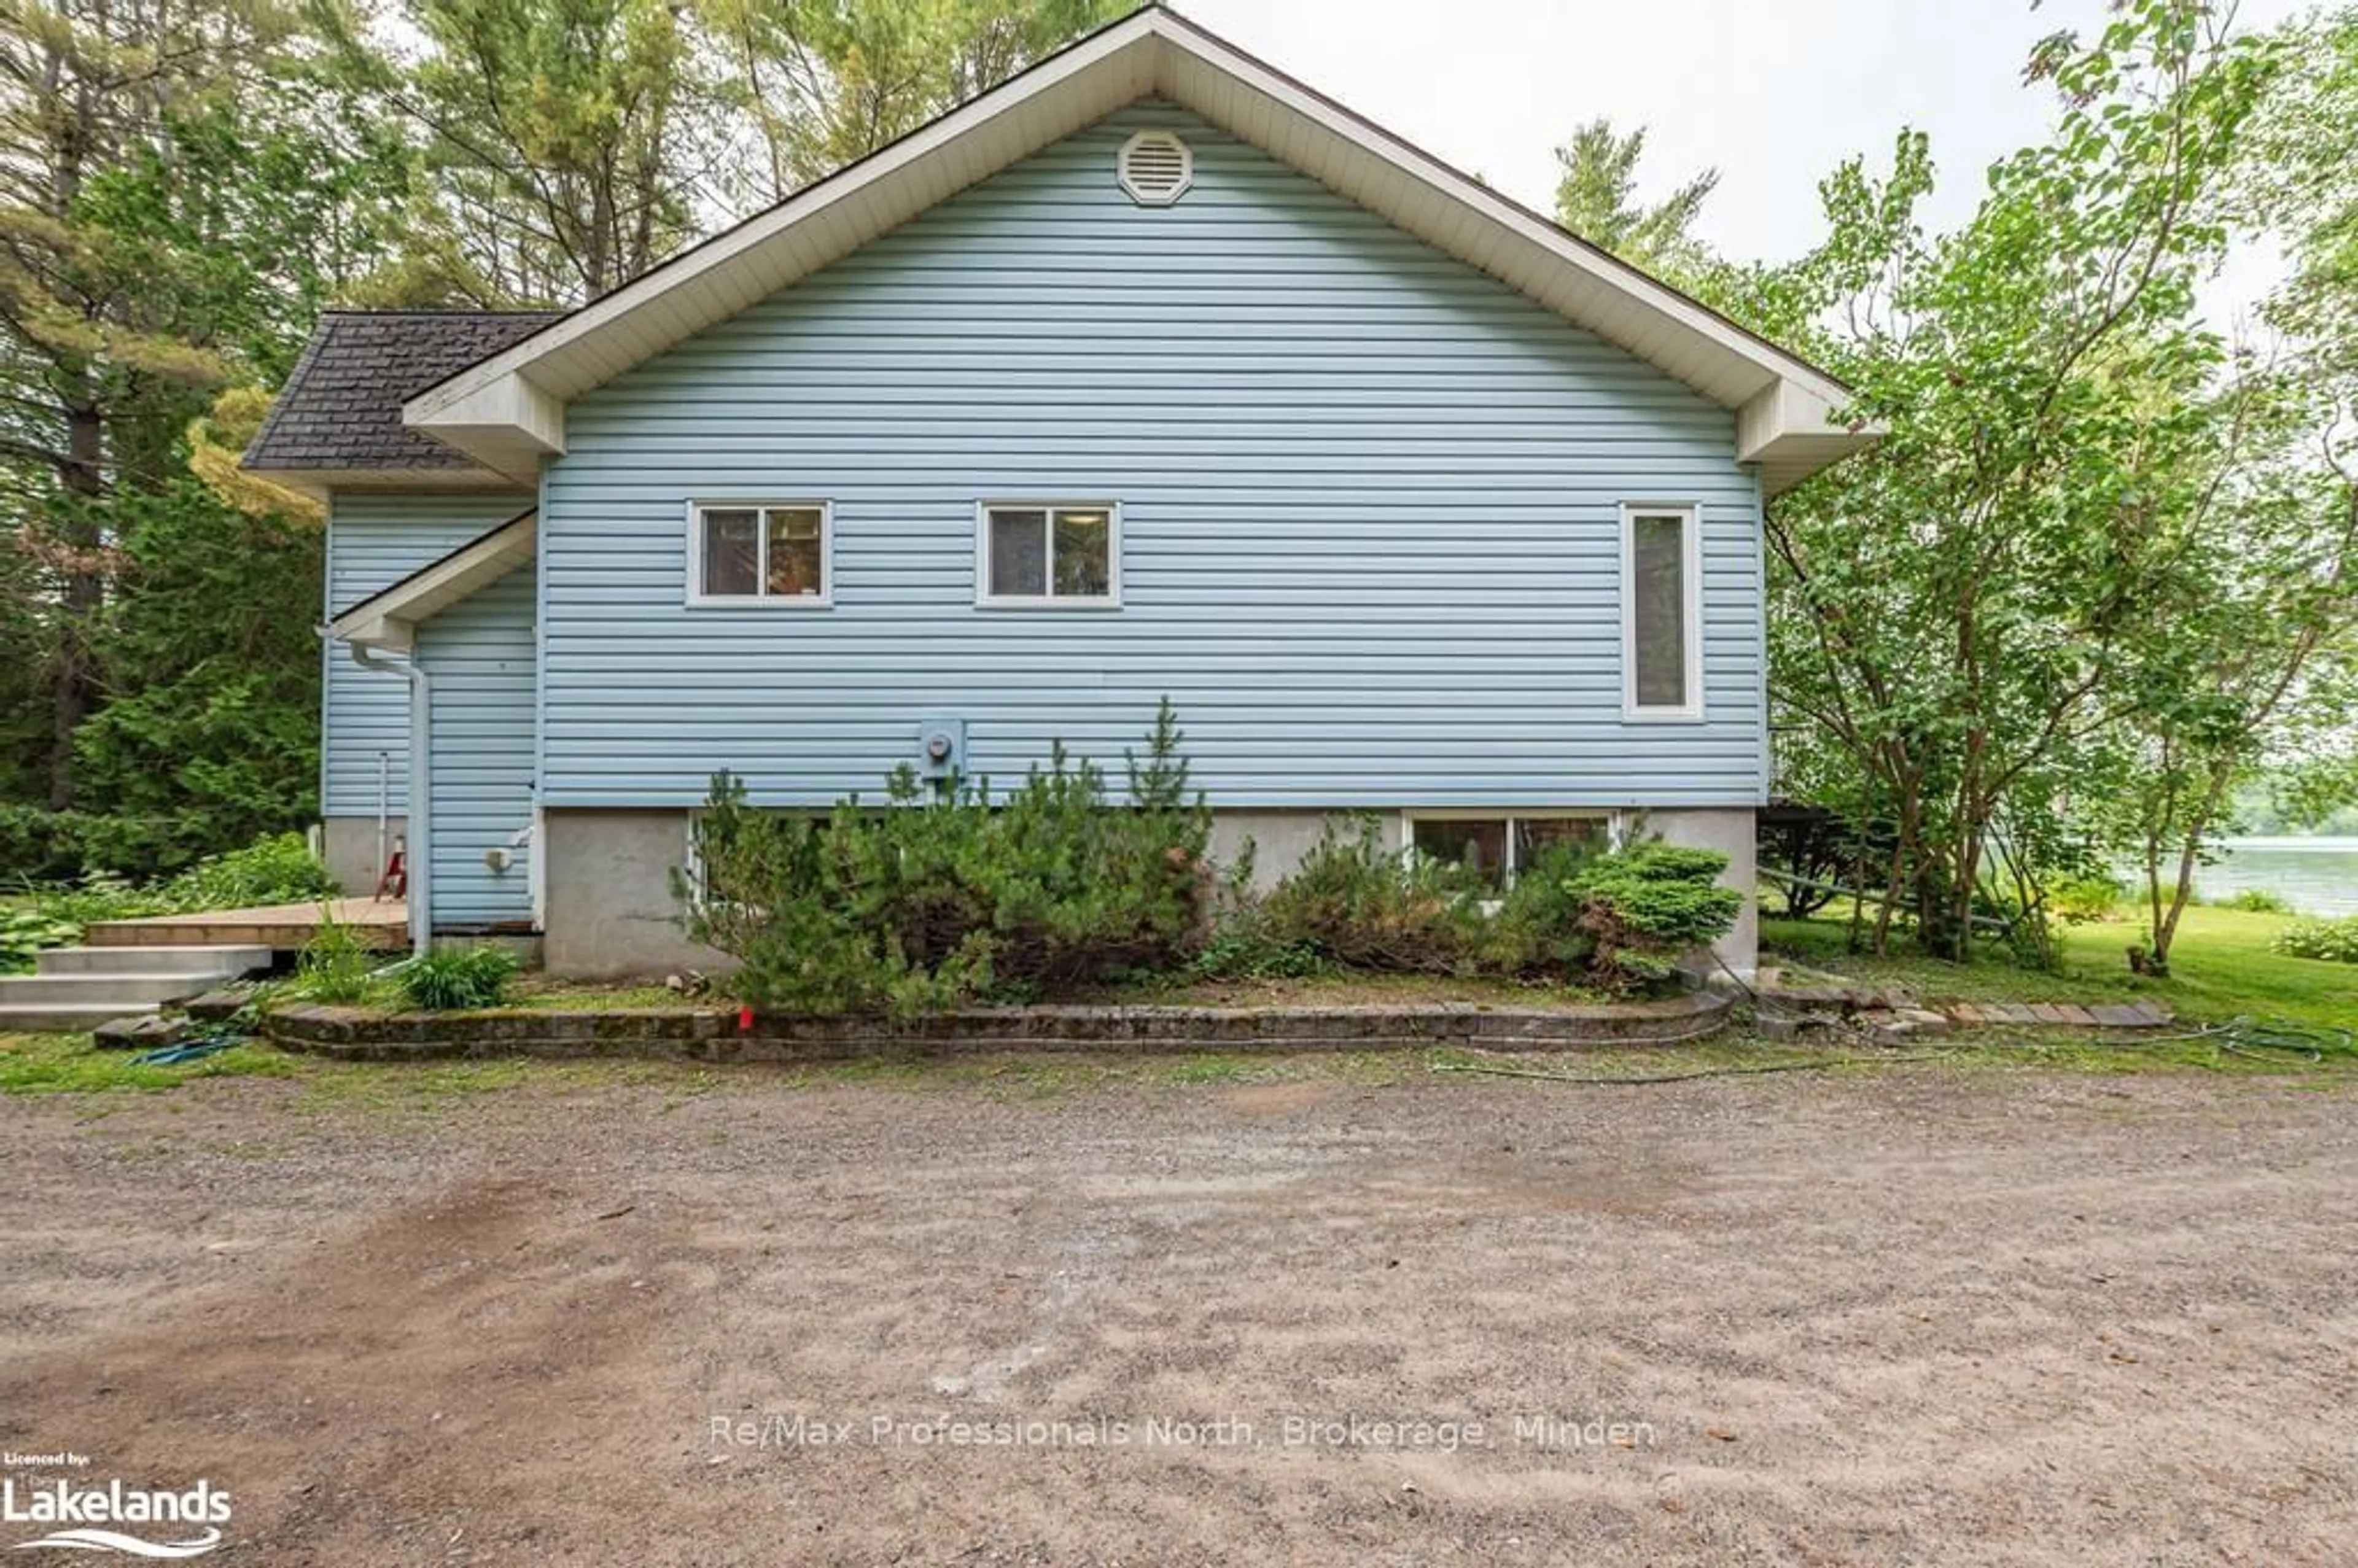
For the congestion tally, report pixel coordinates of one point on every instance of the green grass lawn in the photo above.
(2223, 971)
(2221, 968)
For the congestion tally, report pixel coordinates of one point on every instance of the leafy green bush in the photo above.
(1243, 950)
(2258, 900)
(1649, 905)
(932, 902)
(2082, 900)
(37, 845)
(278, 869)
(336, 967)
(25, 932)
(1537, 931)
(451, 979)
(2336, 941)
(1358, 905)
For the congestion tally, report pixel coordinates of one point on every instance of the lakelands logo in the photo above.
(88, 1511)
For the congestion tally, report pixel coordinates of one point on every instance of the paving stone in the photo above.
(150, 1031)
(214, 1007)
(2075, 1014)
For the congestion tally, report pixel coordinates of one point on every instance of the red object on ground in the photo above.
(744, 1020)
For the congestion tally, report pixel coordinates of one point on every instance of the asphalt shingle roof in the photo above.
(341, 406)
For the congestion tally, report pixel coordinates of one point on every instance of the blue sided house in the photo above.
(1151, 372)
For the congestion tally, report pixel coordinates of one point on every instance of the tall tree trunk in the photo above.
(82, 594)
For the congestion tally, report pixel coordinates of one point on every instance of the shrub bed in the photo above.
(943, 897)
(277, 869)
(2336, 941)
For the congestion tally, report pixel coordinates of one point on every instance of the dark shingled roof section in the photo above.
(341, 407)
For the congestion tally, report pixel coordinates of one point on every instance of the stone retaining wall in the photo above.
(712, 1036)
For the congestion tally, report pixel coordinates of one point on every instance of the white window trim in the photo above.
(1611, 817)
(697, 598)
(985, 599)
(1691, 556)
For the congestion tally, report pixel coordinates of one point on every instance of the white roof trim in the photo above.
(388, 620)
(508, 410)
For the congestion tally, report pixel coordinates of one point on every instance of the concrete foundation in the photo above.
(1730, 832)
(612, 915)
(349, 847)
(1279, 840)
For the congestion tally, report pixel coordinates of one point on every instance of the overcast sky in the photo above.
(1772, 93)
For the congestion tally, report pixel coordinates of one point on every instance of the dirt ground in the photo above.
(1927, 1316)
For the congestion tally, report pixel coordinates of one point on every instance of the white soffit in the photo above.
(508, 410)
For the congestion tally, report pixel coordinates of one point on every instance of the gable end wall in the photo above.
(1369, 500)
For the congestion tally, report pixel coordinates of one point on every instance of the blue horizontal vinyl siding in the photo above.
(1369, 500)
(478, 657)
(375, 541)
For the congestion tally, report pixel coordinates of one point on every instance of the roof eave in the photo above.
(388, 621)
(1791, 432)
(321, 483)
(509, 408)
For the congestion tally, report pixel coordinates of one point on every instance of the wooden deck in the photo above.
(287, 925)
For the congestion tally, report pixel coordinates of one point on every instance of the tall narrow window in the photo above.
(1660, 638)
(1049, 556)
(745, 554)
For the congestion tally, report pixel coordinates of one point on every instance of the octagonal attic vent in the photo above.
(1155, 167)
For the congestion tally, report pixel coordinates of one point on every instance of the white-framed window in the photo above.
(1661, 611)
(767, 554)
(1495, 845)
(1047, 554)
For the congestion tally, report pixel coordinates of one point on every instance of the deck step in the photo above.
(179, 960)
(29, 990)
(67, 1018)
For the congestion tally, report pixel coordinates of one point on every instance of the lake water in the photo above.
(2316, 876)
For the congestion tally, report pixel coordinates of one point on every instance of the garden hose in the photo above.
(195, 1046)
(1814, 1064)
(2257, 1038)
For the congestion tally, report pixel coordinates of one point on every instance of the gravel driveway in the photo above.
(1933, 1315)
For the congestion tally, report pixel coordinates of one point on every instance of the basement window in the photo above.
(761, 553)
(1048, 555)
(1495, 847)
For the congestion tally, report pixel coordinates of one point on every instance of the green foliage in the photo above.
(1537, 929)
(1616, 922)
(1648, 906)
(2334, 940)
(933, 901)
(37, 845)
(1994, 630)
(2257, 901)
(25, 932)
(1244, 952)
(336, 967)
(1358, 905)
(2085, 899)
(212, 737)
(277, 869)
(827, 81)
(451, 979)
(1597, 199)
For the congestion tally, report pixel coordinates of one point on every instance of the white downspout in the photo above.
(420, 845)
